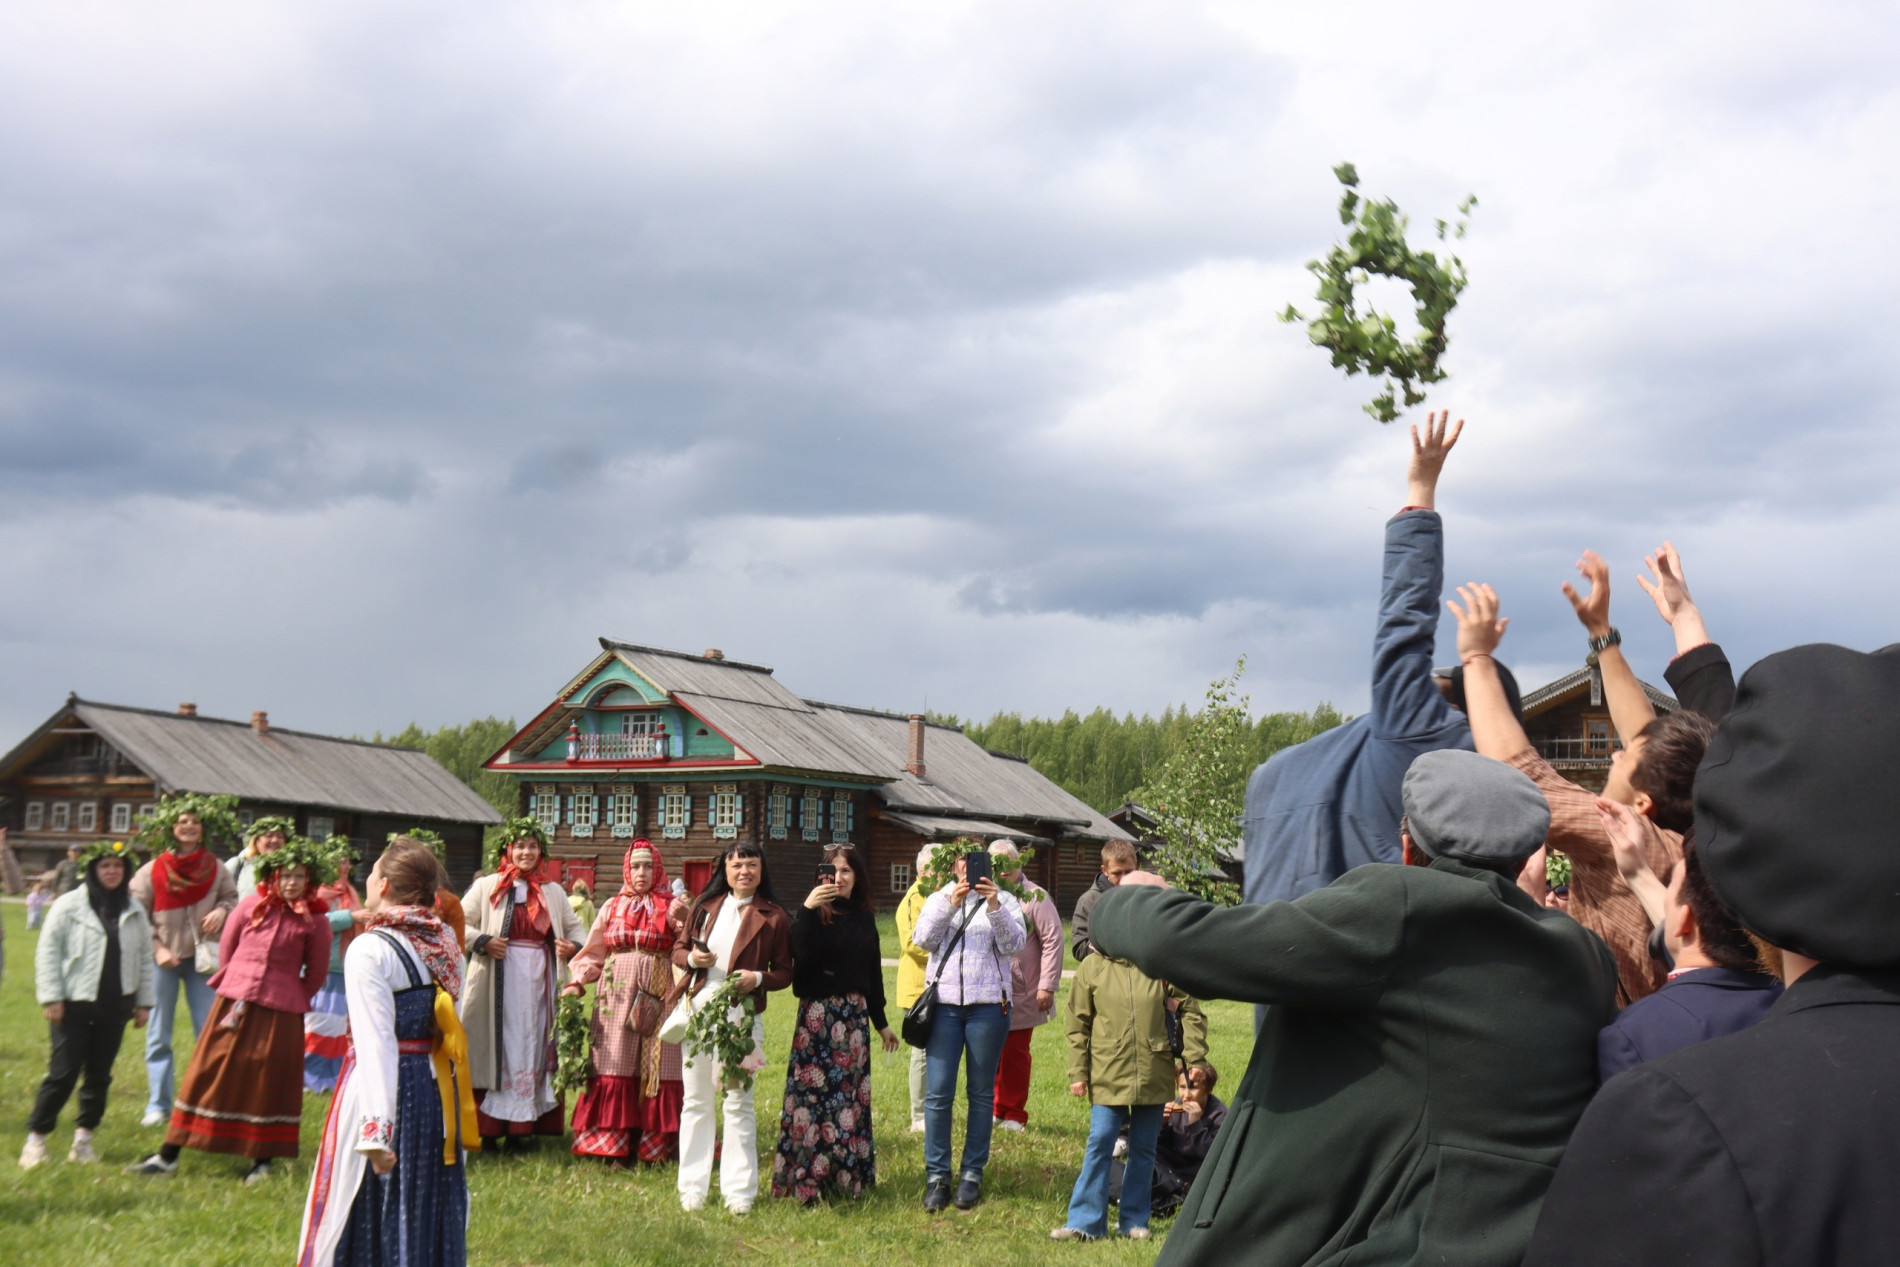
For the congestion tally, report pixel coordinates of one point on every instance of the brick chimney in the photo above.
(187, 710)
(915, 765)
(712, 653)
(260, 722)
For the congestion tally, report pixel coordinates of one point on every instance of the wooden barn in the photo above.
(696, 751)
(92, 770)
(1569, 723)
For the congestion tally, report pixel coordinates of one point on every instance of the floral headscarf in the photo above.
(637, 921)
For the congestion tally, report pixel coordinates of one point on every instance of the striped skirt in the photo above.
(243, 1091)
(326, 1036)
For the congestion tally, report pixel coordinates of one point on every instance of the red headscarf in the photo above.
(179, 882)
(540, 923)
(637, 921)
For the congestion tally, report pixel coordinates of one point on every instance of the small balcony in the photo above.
(617, 747)
(1587, 748)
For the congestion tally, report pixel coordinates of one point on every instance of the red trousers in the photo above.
(1012, 1078)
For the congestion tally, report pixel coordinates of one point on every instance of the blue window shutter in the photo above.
(850, 815)
(688, 798)
(740, 809)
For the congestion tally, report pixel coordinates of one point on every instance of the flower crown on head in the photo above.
(523, 827)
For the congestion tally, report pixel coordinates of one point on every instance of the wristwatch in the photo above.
(1614, 638)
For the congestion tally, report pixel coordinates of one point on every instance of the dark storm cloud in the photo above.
(949, 325)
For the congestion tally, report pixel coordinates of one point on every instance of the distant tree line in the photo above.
(1102, 758)
(461, 750)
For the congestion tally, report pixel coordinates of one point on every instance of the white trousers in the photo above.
(739, 1162)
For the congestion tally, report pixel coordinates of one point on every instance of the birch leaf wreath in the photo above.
(1363, 340)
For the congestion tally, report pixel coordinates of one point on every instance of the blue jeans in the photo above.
(971, 1035)
(158, 1031)
(1088, 1204)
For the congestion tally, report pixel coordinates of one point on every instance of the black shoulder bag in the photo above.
(922, 1015)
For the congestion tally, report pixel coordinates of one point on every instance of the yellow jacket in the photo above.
(912, 959)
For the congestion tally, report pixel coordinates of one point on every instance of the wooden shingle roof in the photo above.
(228, 758)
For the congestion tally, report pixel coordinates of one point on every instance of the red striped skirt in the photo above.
(243, 1091)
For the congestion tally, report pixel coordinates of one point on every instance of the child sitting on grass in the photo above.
(1122, 1053)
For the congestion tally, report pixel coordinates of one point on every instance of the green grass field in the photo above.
(545, 1207)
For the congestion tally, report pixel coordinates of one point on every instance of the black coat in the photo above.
(1775, 1147)
(1703, 681)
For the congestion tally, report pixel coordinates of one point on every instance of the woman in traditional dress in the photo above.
(734, 929)
(824, 1129)
(243, 1090)
(631, 1107)
(389, 1186)
(521, 933)
(326, 1026)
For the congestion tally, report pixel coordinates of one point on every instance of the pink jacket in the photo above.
(1038, 965)
(280, 964)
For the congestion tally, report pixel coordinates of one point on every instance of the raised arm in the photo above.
(1334, 948)
(1495, 729)
(1700, 674)
(1405, 700)
(1630, 709)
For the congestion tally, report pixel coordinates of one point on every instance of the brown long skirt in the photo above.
(243, 1091)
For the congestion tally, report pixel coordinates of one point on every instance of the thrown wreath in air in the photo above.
(1368, 341)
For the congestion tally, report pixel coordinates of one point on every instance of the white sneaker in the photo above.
(916, 1128)
(1009, 1124)
(33, 1154)
(257, 1174)
(82, 1151)
(155, 1117)
(745, 1208)
(692, 1205)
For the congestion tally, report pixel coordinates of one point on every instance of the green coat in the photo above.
(1118, 1033)
(1430, 1045)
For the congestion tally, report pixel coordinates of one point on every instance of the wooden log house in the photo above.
(92, 770)
(1569, 724)
(697, 751)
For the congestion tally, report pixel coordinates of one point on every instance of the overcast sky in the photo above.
(366, 362)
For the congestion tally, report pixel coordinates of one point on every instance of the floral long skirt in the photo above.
(824, 1130)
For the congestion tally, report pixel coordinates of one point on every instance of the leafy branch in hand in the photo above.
(1368, 341)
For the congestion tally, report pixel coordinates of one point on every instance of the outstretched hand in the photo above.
(1634, 839)
(1480, 628)
(1670, 589)
(1593, 609)
(1428, 457)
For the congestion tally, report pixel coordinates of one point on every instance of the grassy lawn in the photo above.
(546, 1207)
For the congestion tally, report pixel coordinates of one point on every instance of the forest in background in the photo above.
(1100, 757)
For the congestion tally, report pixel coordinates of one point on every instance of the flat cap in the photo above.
(1797, 804)
(1464, 806)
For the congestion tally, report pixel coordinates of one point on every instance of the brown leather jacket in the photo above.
(763, 945)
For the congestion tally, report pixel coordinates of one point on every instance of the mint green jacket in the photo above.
(72, 952)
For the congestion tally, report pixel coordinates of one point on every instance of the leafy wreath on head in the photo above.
(941, 872)
(422, 835)
(217, 813)
(269, 823)
(319, 858)
(1368, 342)
(521, 827)
(124, 850)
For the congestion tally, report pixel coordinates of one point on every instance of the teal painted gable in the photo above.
(681, 726)
(615, 673)
(711, 745)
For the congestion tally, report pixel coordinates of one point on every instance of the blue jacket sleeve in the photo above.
(1405, 703)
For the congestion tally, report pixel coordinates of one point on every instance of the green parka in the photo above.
(1118, 1033)
(1429, 1045)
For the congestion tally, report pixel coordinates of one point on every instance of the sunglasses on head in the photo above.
(832, 851)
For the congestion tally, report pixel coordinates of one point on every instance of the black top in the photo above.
(1776, 1145)
(839, 958)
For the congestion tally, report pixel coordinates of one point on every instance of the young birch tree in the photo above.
(1197, 794)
